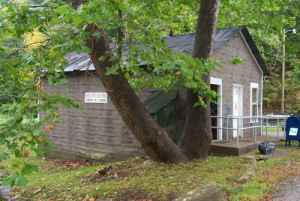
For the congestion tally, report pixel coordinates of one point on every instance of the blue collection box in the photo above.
(292, 130)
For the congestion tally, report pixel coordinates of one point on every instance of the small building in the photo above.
(96, 130)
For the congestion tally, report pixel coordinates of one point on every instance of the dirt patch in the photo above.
(134, 195)
(275, 154)
(280, 153)
(129, 195)
(70, 164)
(106, 173)
(117, 171)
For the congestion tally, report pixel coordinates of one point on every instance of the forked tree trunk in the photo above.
(197, 129)
(154, 140)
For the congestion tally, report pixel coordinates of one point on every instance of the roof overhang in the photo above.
(253, 48)
(181, 43)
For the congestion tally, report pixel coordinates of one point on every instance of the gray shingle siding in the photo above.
(243, 74)
(93, 130)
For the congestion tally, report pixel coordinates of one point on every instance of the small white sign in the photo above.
(293, 132)
(95, 97)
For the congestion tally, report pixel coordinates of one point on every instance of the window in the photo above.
(254, 99)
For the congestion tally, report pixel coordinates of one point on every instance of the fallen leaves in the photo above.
(106, 173)
(88, 198)
(71, 164)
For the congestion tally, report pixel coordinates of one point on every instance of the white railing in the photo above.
(249, 128)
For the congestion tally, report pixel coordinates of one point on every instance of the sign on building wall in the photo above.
(95, 97)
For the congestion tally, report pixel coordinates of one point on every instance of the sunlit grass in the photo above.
(55, 182)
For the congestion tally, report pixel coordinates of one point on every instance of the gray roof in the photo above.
(181, 43)
(79, 62)
(185, 43)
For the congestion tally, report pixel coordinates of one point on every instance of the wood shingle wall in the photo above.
(93, 130)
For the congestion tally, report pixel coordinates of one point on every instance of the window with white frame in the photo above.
(254, 99)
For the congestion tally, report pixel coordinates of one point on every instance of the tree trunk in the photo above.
(154, 140)
(197, 129)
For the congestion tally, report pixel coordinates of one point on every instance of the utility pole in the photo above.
(284, 32)
(283, 73)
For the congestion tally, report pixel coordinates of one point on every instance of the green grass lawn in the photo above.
(137, 177)
(272, 130)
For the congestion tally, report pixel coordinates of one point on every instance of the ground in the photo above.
(289, 190)
(142, 180)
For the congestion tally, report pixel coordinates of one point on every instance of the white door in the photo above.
(237, 111)
(217, 109)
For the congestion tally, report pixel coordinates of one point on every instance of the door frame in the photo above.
(219, 82)
(235, 133)
(254, 85)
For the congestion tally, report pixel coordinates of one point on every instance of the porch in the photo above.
(237, 135)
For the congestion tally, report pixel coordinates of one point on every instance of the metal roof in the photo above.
(180, 43)
(79, 62)
(185, 43)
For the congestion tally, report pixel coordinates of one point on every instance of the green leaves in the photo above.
(29, 169)
(18, 178)
(137, 31)
(15, 180)
(237, 60)
(18, 168)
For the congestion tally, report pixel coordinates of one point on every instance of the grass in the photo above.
(271, 130)
(158, 179)
(56, 181)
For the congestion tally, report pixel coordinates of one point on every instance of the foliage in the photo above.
(18, 168)
(266, 21)
(237, 60)
(273, 92)
(35, 36)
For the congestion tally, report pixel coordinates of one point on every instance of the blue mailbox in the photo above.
(292, 130)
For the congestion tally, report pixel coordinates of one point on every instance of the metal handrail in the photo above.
(257, 126)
